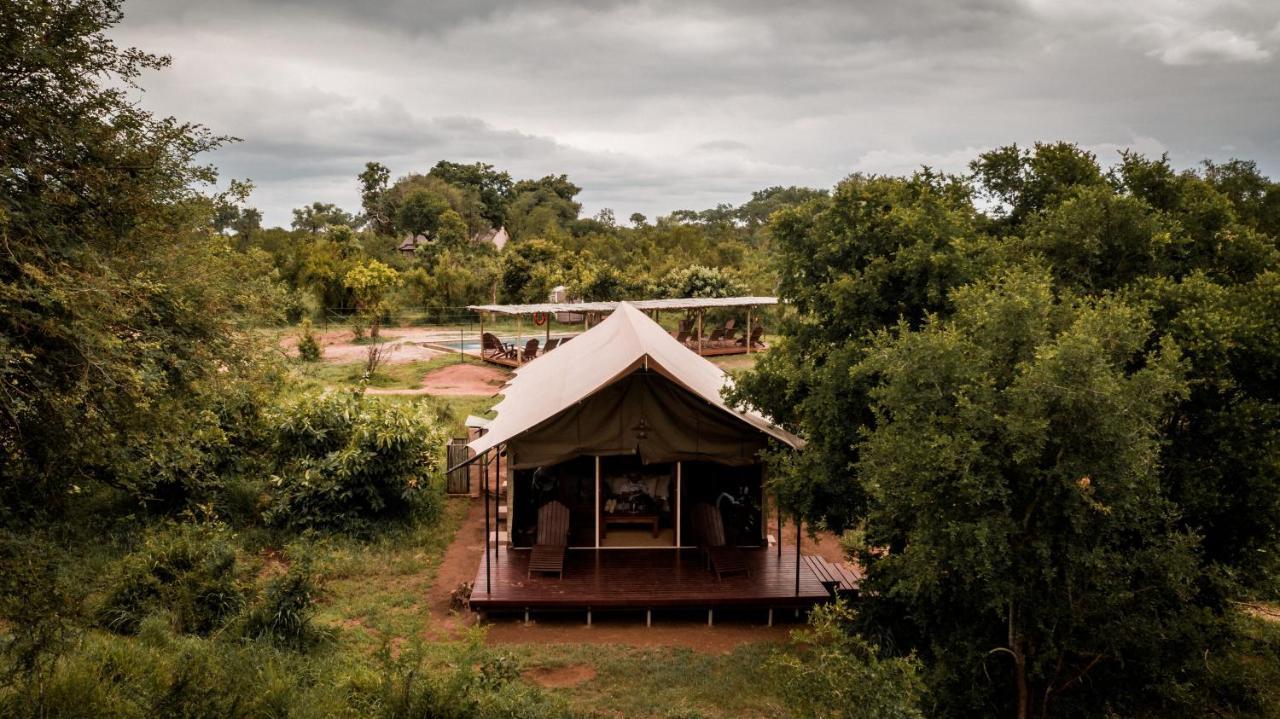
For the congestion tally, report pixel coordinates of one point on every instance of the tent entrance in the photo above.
(637, 503)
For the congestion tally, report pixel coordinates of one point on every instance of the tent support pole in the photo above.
(484, 480)
(779, 500)
(797, 554)
(679, 503)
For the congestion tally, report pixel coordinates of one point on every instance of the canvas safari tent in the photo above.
(626, 428)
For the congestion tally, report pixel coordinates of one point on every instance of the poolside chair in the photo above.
(493, 348)
(716, 338)
(682, 337)
(553, 539)
(756, 333)
(530, 351)
(552, 343)
(722, 557)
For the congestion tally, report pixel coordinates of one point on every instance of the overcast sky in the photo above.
(658, 106)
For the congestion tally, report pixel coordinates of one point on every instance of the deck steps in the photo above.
(838, 577)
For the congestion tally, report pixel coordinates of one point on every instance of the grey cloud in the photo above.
(655, 105)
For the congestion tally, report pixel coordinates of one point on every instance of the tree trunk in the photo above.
(1019, 668)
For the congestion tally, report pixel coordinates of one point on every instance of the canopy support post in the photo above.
(700, 314)
(519, 340)
(747, 341)
(481, 336)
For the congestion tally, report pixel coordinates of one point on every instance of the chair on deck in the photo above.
(530, 351)
(716, 338)
(722, 557)
(553, 540)
(756, 333)
(493, 348)
(552, 343)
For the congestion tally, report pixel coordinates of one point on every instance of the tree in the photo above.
(320, 216)
(373, 185)
(1016, 524)
(373, 284)
(492, 186)
(698, 281)
(420, 212)
(638, 220)
(541, 207)
(120, 346)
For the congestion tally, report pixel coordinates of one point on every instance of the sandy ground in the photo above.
(461, 379)
(405, 344)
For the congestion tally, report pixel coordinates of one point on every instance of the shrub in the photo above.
(186, 570)
(309, 349)
(346, 463)
(832, 672)
(283, 616)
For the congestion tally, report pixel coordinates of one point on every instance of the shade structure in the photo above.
(624, 385)
(679, 303)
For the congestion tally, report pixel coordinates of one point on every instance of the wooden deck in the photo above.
(645, 579)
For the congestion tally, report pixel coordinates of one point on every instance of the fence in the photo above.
(459, 480)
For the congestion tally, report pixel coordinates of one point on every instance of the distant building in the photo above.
(496, 236)
(411, 244)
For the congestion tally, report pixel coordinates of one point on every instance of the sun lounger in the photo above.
(722, 557)
(553, 540)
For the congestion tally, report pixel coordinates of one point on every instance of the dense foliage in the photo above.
(348, 464)
(1051, 425)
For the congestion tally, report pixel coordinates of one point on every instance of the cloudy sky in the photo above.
(653, 106)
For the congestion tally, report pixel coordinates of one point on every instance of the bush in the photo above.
(283, 616)
(309, 349)
(832, 672)
(346, 463)
(185, 570)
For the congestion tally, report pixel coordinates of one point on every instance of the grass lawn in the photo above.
(661, 682)
(392, 375)
(377, 592)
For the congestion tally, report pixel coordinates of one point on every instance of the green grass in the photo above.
(392, 375)
(377, 591)
(645, 682)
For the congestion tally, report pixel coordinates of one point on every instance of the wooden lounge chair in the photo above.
(530, 351)
(756, 333)
(716, 338)
(553, 540)
(493, 348)
(552, 343)
(722, 557)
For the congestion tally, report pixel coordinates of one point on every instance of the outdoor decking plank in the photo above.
(644, 578)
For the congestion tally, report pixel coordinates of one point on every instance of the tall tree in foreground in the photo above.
(1016, 533)
(119, 359)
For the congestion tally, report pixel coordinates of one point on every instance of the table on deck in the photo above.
(627, 519)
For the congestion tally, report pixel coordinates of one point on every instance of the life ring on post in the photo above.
(539, 318)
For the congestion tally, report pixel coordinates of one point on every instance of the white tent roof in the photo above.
(621, 343)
